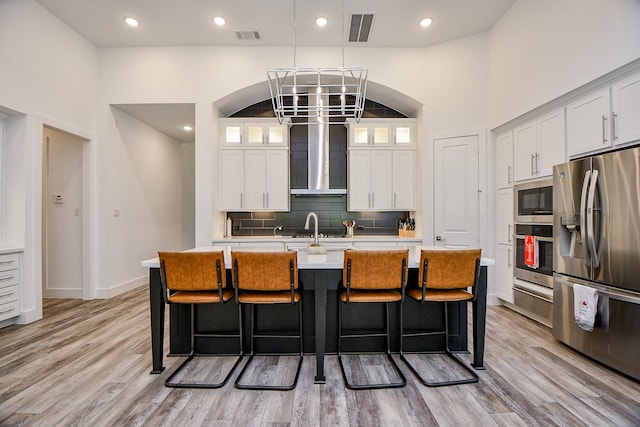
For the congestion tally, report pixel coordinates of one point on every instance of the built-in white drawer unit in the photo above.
(9, 285)
(9, 261)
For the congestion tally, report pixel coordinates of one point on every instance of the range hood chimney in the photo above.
(318, 153)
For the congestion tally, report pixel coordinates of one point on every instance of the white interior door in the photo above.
(456, 192)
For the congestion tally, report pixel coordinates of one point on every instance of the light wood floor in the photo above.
(88, 363)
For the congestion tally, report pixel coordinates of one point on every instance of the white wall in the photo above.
(188, 203)
(141, 201)
(46, 67)
(540, 50)
(49, 74)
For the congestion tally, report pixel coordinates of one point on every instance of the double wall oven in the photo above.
(533, 264)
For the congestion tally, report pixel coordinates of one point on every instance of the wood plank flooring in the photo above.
(88, 363)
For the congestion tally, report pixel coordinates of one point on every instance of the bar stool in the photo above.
(195, 278)
(444, 276)
(373, 276)
(267, 278)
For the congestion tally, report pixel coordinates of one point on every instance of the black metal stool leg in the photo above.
(253, 337)
(169, 381)
(474, 377)
(369, 386)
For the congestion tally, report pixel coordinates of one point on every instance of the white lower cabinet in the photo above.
(254, 180)
(504, 216)
(9, 285)
(504, 272)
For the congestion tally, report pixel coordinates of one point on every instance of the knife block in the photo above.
(404, 232)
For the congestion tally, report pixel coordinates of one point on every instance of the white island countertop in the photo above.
(332, 260)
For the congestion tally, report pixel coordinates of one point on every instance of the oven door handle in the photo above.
(540, 239)
(524, 291)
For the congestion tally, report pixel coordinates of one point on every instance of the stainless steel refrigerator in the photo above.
(597, 244)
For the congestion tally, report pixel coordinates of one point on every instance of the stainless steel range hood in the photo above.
(318, 154)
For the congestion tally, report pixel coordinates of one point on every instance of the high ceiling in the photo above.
(278, 23)
(188, 22)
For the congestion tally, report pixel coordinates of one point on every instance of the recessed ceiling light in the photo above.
(132, 22)
(321, 21)
(187, 128)
(219, 20)
(425, 22)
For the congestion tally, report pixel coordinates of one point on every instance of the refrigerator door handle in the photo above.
(591, 216)
(615, 294)
(583, 215)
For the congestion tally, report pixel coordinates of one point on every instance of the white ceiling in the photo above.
(188, 23)
(167, 118)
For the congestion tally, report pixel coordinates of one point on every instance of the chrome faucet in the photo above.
(315, 229)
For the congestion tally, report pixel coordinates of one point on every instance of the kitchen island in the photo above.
(319, 277)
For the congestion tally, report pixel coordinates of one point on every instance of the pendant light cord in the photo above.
(342, 36)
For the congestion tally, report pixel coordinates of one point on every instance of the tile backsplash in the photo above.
(331, 211)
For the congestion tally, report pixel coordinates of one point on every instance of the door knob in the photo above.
(439, 238)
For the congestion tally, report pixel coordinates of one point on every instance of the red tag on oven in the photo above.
(531, 251)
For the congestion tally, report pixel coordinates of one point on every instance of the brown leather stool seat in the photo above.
(444, 276)
(194, 278)
(261, 278)
(373, 276)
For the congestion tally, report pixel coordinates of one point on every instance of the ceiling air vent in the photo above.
(247, 35)
(360, 27)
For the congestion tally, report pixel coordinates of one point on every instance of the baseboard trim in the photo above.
(62, 293)
(28, 317)
(122, 288)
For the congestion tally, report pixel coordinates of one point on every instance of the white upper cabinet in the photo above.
(231, 180)
(539, 145)
(359, 177)
(381, 180)
(241, 132)
(588, 123)
(524, 151)
(606, 118)
(504, 160)
(382, 133)
(625, 107)
(551, 147)
(254, 180)
(404, 179)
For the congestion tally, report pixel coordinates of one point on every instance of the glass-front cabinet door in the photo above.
(403, 135)
(236, 132)
(232, 134)
(265, 134)
(382, 133)
(363, 135)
